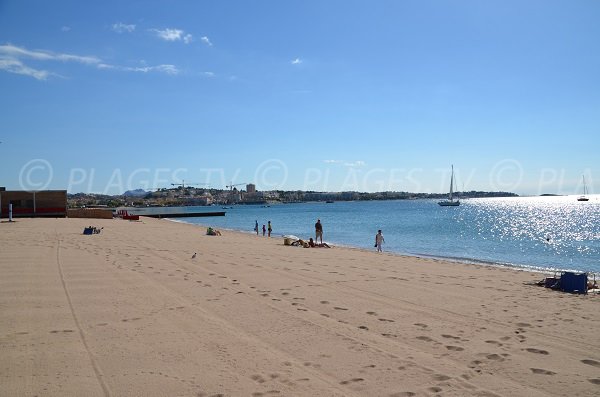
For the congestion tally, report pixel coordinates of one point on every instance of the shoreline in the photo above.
(462, 261)
(132, 311)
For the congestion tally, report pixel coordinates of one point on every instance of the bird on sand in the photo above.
(193, 256)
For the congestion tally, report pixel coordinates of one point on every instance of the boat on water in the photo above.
(585, 192)
(450, 202)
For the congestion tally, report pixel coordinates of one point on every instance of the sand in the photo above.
(128, 312)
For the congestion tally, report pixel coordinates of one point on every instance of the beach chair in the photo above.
(574, 282)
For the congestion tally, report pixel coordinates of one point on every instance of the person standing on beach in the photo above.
(256, 227)
(319, 230)
(270, 229)
(379, 240)
(264, 230)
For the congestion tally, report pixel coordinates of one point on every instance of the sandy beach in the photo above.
(129, 312)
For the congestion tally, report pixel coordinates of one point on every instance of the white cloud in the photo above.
(296, 61)
(173, 35)
(11, 60)
(167, 69)
(122, 28)
(15, 52)
(209, 74)
(206, 41)
(355, 164)
(17, 67)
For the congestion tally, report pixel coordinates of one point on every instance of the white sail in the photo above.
(451, 184)
(450, 202)
(584, 197)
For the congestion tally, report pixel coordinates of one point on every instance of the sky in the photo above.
(322, 95)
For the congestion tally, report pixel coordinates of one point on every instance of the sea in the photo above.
(551, 233)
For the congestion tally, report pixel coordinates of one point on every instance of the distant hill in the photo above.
(135, 193)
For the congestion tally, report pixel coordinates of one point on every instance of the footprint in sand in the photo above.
(425, 338)
(363, 327)
(451, 337)
(258, 378)
(441, 378)
(593, 363)
(594, 381)
(537, 351)
(539, 371)
(354, 380)
(340, 308)
(324, 302)
(455, 348)
(403, 394)
(385, 320)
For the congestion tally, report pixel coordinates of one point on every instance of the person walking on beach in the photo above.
(264, 230)
(269, 228)
(319, 230)
(379, 240)
(256, 227)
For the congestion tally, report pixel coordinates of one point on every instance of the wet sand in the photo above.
(128, 312)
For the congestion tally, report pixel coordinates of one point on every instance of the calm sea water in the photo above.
(555, 233)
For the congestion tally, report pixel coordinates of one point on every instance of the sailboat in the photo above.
(585, 192)
(450, 202)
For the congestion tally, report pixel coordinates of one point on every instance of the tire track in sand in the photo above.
(95, 366)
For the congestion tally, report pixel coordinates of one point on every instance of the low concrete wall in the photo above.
(92, 213)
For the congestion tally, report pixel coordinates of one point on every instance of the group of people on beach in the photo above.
(318, 241)
(265, 228)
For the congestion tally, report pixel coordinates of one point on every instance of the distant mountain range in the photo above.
(135, 193)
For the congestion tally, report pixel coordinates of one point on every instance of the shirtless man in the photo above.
(319, 231)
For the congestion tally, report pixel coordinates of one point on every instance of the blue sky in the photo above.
(315, 95)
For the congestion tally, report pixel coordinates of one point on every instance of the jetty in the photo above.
(184, 214)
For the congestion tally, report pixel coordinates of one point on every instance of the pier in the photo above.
(183, 214)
